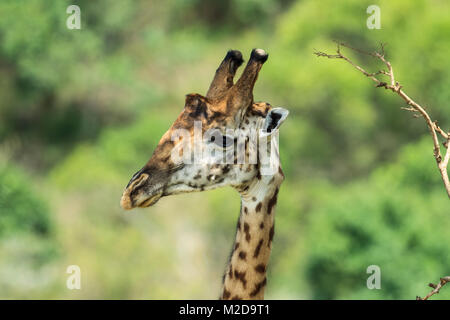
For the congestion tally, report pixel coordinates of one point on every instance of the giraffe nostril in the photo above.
(139, 181)
(137, 184)
(126, 202)
(133, 178)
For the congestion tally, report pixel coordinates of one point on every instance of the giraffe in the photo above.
(228, 109)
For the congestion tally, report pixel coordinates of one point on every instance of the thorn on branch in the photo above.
(408, 109)
(382, 45)
(398, 87)
(413, 110)
(436, 288)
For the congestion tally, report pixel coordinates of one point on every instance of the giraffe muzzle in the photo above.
(137, 195)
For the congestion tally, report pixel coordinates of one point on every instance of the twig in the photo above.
(394, 86)
(435, 130)
(436, 288)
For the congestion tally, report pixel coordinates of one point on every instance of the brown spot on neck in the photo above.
(258, 248)
(261, 268)
(271, 234)
(272, 202)
(241, 277)
(242, 255)
(226, 294)
(247, 231)
(258, 287)
(280, 171)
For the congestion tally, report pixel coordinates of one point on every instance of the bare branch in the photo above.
(436, 288)
(394, 86)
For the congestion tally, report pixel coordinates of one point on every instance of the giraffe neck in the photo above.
(245, 275)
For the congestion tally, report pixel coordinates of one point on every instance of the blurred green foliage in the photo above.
(22, 211)
(27, 242)
(396, 220)
(82, 110)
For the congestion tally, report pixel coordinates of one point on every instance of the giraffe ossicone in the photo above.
(223, 139)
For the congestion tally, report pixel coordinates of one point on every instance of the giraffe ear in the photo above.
(196, 105)
(275, 117)
(193, 100)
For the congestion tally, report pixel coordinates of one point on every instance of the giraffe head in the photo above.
(215, 141)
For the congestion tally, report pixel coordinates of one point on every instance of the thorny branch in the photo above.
(394, 86)
(435, 131)
(436, 288)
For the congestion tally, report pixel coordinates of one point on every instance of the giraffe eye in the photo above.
(227, 141)
(222, 141)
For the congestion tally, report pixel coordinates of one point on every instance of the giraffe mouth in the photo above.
(150, 201)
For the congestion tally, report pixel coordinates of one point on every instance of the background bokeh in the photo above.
(82, 110)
